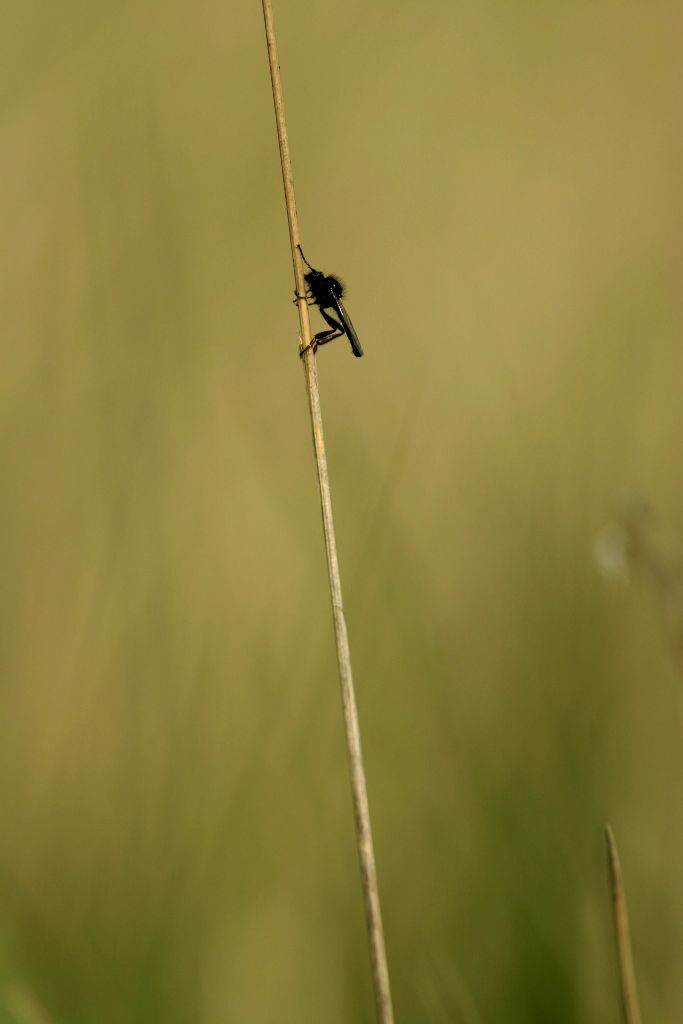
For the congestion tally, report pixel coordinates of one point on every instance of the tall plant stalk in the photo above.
(368, 872)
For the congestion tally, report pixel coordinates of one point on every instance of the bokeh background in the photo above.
(499, 185)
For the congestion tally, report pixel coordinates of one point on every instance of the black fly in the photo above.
(326, 292)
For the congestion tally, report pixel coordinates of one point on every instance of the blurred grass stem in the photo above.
(373, 916)
(627, 975)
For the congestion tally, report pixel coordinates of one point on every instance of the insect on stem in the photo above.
(326, 292)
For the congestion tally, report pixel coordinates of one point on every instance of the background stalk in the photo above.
(627, 974)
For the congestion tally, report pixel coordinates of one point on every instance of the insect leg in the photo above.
(337, 330)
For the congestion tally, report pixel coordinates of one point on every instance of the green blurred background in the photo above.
(500, 186)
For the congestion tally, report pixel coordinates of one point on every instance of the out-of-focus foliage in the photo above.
(499, 185)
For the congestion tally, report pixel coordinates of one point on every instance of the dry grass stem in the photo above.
(366, 855)
(627, 977)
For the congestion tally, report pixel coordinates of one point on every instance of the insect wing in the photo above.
(348, 326)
